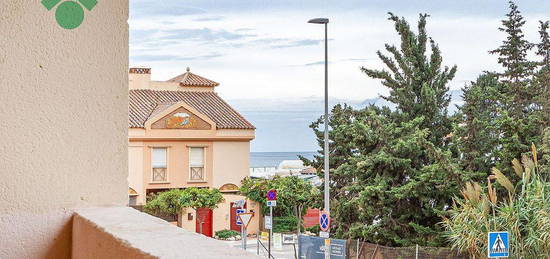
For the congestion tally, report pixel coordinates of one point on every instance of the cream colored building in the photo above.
(182, 134)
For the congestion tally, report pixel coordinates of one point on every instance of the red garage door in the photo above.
(204, 216)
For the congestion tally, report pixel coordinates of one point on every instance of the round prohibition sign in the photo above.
(324, 221)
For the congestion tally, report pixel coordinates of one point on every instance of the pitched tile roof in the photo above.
(190, 79)
(144, 103)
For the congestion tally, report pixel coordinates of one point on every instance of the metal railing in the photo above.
(197, 173)
(160, 174)
(363, 250)
(265, 250)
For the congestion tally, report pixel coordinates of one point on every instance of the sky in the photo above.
(269, 60)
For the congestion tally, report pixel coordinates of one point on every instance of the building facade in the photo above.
(182, 134)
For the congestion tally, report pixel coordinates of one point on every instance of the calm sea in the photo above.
(272, 159)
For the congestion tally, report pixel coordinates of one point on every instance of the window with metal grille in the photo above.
(196, 163)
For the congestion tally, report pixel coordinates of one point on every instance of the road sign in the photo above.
(245, 218)
(289, 239)
(314, 248)
(239, 204)
(239, 211)
(271, 203)
(271, 195)
(499, 244)
(324, 221)
(267, 222)
(324, 234)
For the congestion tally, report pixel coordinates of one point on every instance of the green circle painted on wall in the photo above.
(69, 15)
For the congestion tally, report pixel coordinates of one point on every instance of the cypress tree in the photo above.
(503, 117)
(512, 54)
(417, 83)
(519, 117)
(392, 170)
(542, 75)
(478, 131)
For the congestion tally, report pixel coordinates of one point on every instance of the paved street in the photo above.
(287, 252)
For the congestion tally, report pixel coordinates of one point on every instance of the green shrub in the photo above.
(226, 233)
(284, 224)
(523, 210)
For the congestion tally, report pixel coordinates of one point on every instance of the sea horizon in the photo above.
(272, 159)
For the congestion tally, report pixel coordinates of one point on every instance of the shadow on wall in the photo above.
(62, 242)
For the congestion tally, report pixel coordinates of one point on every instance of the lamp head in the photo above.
(319, 21)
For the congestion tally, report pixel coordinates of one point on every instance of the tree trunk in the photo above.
(299, 213)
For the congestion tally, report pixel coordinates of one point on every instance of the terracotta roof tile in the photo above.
(144, 104)
(190, 79)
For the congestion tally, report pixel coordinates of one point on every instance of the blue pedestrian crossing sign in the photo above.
(499, 244)
(324, 221)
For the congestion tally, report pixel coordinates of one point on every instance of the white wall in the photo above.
(63, 113)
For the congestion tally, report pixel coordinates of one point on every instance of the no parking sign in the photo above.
(324, 221)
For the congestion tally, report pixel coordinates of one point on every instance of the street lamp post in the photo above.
(327, 175)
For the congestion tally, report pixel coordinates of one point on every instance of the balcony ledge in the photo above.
(123, 232)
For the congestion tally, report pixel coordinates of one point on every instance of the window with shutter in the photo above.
(196, 163)
(159, 164)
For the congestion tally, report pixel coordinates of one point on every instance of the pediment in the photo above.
(180, 116)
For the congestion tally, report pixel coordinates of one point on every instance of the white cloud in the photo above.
(259, 50)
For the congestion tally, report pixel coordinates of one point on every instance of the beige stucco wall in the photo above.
(178, 164)
(226, 162)
(135, 169)
(231, 163)
(222, 214)
(138, 81)
(92, 241)
(63, 103)
(127, 233)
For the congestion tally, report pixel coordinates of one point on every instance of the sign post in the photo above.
(271, 202)
(240, 204)
(245, 220)
(327, 248)
(498, 244)
(324, 224)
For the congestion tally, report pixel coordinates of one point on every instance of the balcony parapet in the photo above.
(123, 232)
